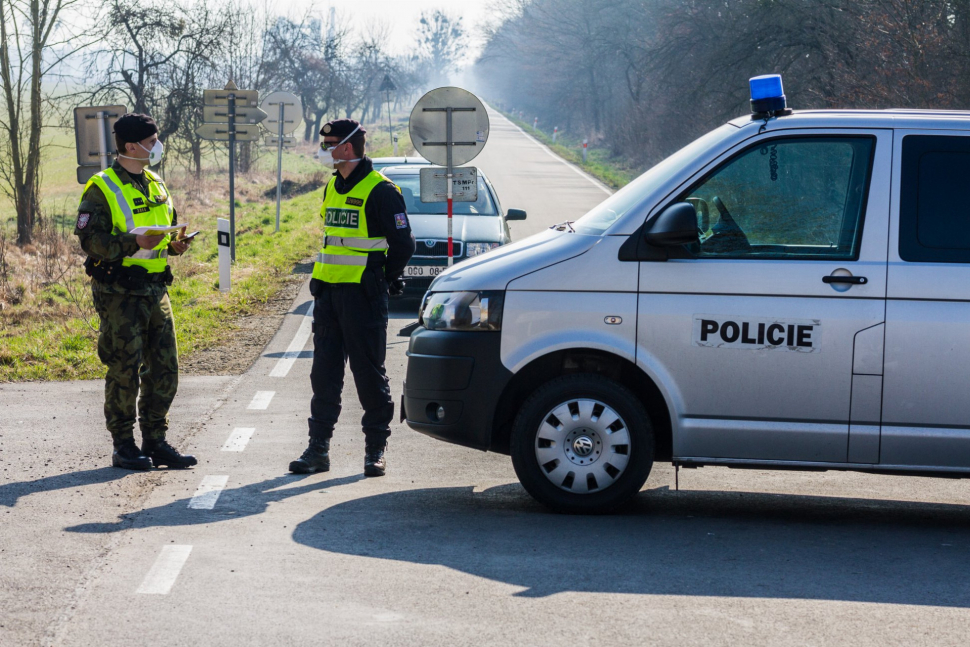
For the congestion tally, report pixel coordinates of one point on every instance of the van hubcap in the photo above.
(582, 445)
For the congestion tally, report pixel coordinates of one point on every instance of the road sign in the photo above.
(272, 140)
(434, 184)
(387, 85)
(244, 98)
(449, 127)
(292, 112)
(238, 105)
(93, 128)
(244, 115)
(220, 132)
(429, 126)
(85, 173)
(285, 112)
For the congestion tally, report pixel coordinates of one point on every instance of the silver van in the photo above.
(791, 291)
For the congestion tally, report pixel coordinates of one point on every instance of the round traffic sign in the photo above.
(428, 126)
(292, 112)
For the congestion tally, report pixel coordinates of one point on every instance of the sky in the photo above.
(401, 17)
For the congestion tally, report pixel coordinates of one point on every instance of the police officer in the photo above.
(367, 243)
(130, 275)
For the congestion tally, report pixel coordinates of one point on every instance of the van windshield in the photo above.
(602, 216)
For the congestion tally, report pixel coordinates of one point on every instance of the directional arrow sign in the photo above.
(220, 132)
(274, 141)
(221, 97)
(244, 114)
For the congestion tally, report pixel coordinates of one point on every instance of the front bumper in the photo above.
(460, 371)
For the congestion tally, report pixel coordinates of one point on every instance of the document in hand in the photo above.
(155, 230)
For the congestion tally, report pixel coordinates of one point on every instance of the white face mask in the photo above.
(326, 157)
(154, 154)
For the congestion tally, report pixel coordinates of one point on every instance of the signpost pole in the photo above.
(279, 166)
(232, 176)
(390, 128)
(450, 176)
(103, 138)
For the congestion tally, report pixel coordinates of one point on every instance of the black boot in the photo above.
(316, 458)
(128, 456)
(162, 453)
(374, 462)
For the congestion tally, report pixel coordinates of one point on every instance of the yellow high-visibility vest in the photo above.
(130, 208)
(345, 241)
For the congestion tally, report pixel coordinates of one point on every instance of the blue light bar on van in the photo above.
(767, 94)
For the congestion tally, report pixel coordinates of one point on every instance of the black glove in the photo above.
(395, 288)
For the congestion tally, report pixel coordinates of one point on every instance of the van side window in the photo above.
(934, 220)
(792, 198)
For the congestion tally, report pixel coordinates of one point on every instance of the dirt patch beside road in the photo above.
(243, 344)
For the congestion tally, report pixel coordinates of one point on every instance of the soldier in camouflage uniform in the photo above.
(129, 284)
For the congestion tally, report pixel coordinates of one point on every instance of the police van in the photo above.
(791, 291)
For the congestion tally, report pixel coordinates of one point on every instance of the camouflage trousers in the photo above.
(137, 344)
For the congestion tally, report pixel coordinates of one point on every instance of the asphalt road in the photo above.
(447, 549)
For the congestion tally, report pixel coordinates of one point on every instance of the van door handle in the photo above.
(854, 280)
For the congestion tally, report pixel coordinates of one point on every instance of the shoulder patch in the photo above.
(401, 220)
(83, 219)
(355, 202)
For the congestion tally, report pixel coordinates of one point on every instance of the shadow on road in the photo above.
(235, 503)
(693, 543)
(11, 492)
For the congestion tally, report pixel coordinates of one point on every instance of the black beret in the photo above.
(135, 127)
(341, 128)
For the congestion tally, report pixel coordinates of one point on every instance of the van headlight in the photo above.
(474, 249)
(463, 311)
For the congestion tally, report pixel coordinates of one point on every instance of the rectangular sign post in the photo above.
(283, 110)
(221, 110)
(449, 143)
(225, 254)
(92, 133)
(464, 184)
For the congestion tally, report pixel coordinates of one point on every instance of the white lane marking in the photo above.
(165, 570)
(238, 439)
(208, 493)
(285, 363)
(599, 185)
(261, 400)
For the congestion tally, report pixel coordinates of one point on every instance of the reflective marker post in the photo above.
(555, 132)
(225, 254)
(585, 142)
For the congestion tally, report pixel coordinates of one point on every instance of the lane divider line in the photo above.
(285, 363)
(599, 185)
(261, 400)
(165, 570)
(238, 439)
(207, 494)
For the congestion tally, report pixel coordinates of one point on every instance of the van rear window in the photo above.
(934, 220)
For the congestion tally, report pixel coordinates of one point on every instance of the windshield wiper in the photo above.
(563, 225)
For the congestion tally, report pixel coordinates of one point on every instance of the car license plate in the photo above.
(424, 270)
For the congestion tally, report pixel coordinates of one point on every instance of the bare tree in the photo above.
(28, 39)
(441, 40)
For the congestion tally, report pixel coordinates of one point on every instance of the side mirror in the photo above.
(676, 225)
(515, 214)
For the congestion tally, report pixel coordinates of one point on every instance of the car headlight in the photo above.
(463, 311)
(474, 249)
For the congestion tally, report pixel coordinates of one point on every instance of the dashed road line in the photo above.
(208, 492)
(261, 400)
(285, 363)
(165, 570)
(238, 439)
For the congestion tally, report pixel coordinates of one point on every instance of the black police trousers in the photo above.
(350, 324)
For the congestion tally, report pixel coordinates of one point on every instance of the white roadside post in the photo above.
(555, 132)
(585, 142)
(225, 254)
(535, 124)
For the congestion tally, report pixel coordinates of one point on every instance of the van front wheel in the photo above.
(583, 444)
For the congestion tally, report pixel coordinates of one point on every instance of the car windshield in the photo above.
(410, 185)
(599, 219)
